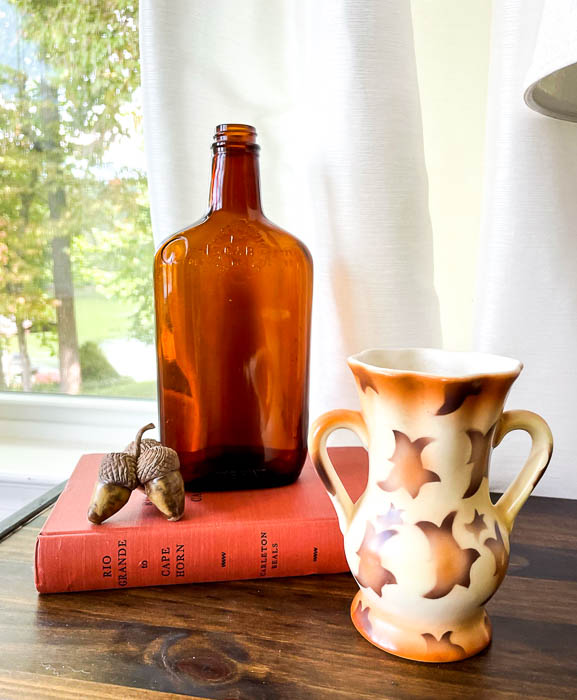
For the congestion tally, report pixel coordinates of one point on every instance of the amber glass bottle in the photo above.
(233, 298)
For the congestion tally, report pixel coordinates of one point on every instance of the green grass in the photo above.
(127, 388)
(98, 318)
(122, 388)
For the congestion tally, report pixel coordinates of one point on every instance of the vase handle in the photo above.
(318, 435)
(520, 489)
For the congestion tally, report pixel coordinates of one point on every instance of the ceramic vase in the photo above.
(424, 542)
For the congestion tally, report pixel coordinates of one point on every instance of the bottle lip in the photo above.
(235, 136)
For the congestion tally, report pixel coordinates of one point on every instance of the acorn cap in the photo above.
(118, 468)
(156, 462)
(145, 444)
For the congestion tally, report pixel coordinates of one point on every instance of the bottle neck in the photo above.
(235, 181)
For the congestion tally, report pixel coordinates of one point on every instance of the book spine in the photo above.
(107, 559)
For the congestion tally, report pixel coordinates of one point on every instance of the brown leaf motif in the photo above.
(442, 647)
(497, 546)
(452, 563)
(408, 471)
(456, 393)
(477, 525)
(362, 618)
(371, 572)
(365, 379)
(480, 448)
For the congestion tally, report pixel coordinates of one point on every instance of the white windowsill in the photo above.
(43, 436)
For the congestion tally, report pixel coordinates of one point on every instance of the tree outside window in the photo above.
(75, 240)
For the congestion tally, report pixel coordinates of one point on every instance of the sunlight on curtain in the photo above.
(332, 90)
(527, 290)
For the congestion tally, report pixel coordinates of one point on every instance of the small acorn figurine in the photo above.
(116, 481)
(158, 470)
(145, 463)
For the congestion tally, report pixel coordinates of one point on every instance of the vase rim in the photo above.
(435, 363)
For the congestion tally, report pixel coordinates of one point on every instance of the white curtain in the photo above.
(332, 89)
(527, 290)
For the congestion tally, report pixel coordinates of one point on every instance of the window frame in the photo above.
(56, 421)
(54, 413)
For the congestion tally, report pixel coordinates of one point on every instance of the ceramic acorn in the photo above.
(424, 541)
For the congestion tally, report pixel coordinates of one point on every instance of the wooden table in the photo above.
(283, 638)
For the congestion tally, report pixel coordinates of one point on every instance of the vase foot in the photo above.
(458, 642)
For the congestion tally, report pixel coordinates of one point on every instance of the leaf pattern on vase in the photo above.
(408, 471)
(442, 646)
(480, 448)
(456, 393)
(452, 563)
(365, 379)
(477, 525)
(362, 618)
(497, 546)
(372, 574)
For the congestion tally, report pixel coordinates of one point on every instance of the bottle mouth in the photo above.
(235, 136)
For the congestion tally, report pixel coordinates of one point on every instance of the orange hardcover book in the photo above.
(286, 531)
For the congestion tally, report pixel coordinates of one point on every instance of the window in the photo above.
(75, 239)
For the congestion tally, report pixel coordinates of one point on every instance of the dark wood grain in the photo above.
(283, 638)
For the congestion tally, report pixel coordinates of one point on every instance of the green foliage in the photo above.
(24, 283)
(68, 94)
(89, 52)
(117, 259)
(94, 365)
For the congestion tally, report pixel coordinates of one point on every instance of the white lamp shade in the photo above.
(551, 83)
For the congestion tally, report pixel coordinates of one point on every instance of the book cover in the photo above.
(287, 531)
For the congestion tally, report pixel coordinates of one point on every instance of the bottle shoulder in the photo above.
(220, 229)
(184, 233)
(288, 239)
